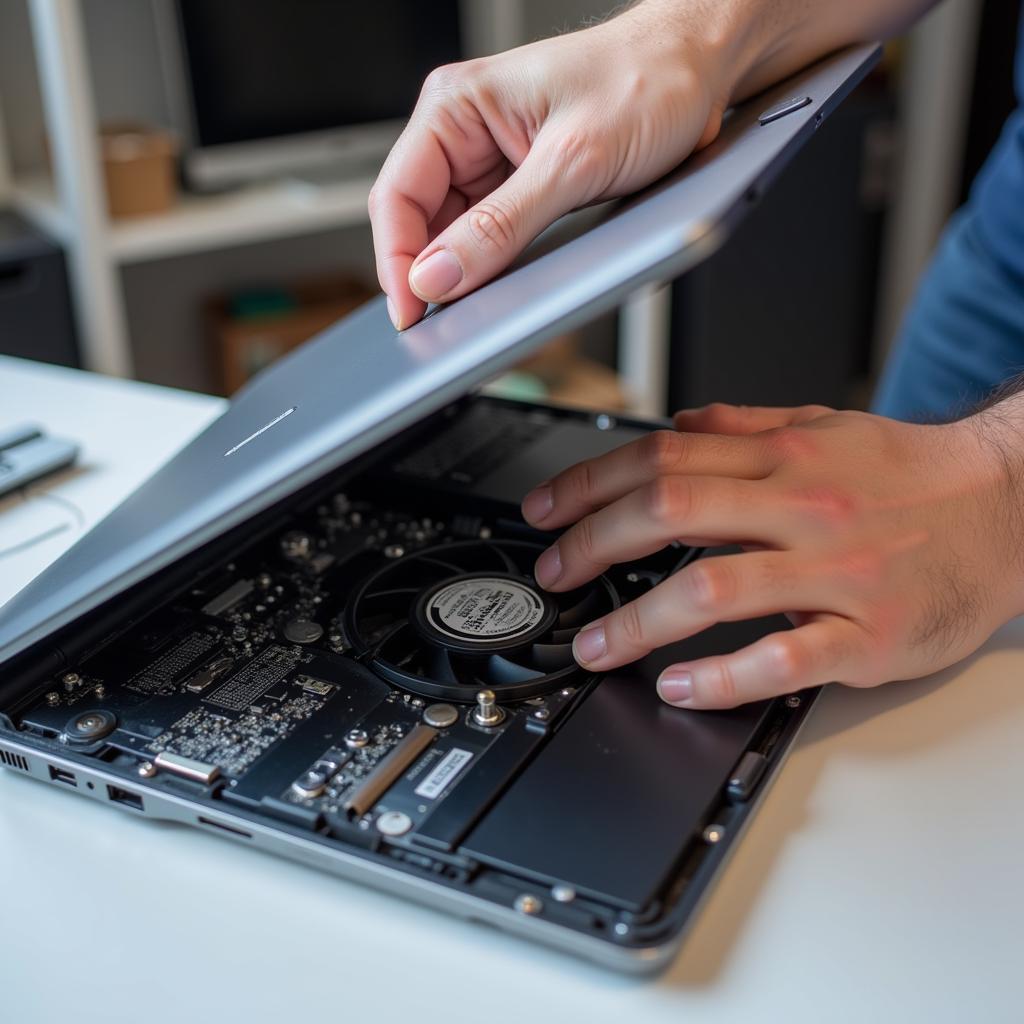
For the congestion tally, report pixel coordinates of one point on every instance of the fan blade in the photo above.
(579, 614)
(389, 594)
(393, 640)
(510, 566)
(448, 567)
(502, 672)
(441, 666)
(552, 657)
(562, 636)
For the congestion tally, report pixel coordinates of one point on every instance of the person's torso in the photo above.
(998, 193)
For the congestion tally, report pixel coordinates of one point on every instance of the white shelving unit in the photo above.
(199, 223)
(70, 205)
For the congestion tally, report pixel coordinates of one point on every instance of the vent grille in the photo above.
(13, 760)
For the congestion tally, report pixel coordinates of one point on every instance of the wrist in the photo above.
(992, 444)
(717, 38)
(735, 42)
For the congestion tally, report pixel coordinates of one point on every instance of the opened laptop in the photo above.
(316, 631)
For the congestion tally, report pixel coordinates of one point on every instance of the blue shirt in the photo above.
(964, 332)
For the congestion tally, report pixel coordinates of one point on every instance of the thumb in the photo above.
(490, 235)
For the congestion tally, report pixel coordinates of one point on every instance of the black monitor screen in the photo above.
(264, 68)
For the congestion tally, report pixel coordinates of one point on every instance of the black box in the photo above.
(36, 318)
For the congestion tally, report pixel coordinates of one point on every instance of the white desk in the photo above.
(882, 880)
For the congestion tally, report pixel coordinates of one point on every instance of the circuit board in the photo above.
(348, 672)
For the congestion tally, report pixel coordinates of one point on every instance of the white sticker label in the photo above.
(484, 609)
(446, 769)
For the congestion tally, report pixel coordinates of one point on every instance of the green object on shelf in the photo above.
(524, 387)
(256, 303)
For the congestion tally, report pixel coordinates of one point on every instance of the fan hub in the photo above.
(480, 612)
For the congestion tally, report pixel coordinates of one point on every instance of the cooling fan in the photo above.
(449, 620)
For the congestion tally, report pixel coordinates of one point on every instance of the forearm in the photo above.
(760, 42)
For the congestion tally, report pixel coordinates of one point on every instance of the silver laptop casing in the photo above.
(360, 383)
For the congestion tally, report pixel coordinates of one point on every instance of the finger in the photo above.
(487, 237)
(720, 418)
(828, 649)
(667, 509)
(593, 483)
(408, 193)
(455, 205)
(725, 588)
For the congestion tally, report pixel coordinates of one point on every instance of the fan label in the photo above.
(446, 769)
(485, 609)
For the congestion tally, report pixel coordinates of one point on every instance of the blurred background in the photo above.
(183, 196)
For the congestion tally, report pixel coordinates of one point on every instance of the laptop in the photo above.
(316, 631)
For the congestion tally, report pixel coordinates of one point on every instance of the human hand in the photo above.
(499, 148)
(894, 548)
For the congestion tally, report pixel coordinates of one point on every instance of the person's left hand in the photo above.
(894, 548)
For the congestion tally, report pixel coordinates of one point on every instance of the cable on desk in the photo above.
(69, 506)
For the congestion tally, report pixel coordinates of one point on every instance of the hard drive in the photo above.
(317, 630)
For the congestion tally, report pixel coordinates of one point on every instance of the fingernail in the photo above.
(537, 505)
(590, 645)
(549, 567)
(437, 275)
(393, 313)
(675, 687)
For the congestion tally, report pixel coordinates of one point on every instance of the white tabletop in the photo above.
(882, 880)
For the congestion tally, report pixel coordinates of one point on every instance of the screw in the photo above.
(53, 698)
(622, 928)
(793, 701)
(714, 834)
(147, 769)
(542, 714)
(527, 904)
(357, 738)
(563, 893)
(487, 713)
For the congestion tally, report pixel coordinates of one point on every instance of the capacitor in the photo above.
(441, 716)
(303, 631)
(296, 545)
(393, 823)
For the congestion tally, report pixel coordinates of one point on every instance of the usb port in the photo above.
(122, 796)
(60, 775)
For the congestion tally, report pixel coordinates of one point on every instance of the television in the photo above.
(277, 88)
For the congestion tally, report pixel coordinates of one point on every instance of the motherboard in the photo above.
(365, 671)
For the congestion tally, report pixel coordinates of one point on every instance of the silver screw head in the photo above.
(487, 713)
(147, 769)
(357, 738)
(563, 893)
(793, 701)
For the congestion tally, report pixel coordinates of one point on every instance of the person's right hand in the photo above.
(498, 148)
